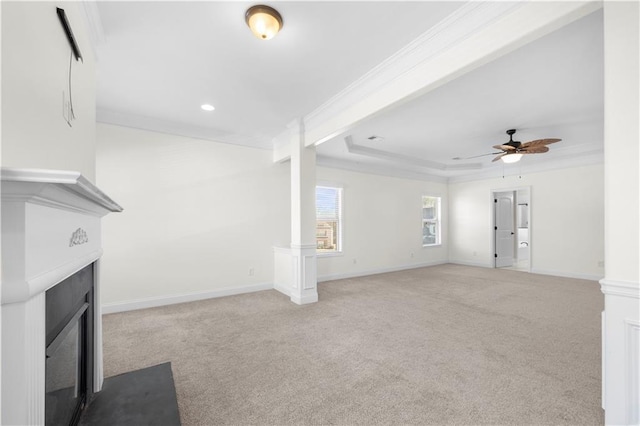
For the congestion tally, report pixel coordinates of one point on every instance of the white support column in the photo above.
(303, 218)
(621, 285)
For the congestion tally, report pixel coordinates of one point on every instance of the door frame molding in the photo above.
(515, 189)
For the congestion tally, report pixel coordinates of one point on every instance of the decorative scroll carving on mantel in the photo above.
(78, 237)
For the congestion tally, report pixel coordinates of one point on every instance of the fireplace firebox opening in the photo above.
(69, 348)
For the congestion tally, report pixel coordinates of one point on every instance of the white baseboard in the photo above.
(466, 263)
(282, 289)
(589, 277)
(377, 271)
(152, 302)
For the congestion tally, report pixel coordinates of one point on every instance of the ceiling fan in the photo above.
(513, 151)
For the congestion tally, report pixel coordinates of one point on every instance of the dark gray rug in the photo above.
(141, 397)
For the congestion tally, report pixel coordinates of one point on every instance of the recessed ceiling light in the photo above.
(207, 107)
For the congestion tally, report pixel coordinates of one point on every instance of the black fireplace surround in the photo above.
(69, 348)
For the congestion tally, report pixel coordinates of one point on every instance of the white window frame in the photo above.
(437, 221)
(340, 220)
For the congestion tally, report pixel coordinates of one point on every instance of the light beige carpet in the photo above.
(442, 345)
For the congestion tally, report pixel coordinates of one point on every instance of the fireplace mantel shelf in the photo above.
(35, 185)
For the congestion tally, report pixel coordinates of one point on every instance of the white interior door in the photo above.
(504, 229)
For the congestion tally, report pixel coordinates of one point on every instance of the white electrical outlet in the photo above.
(251, 271)
(411, 254)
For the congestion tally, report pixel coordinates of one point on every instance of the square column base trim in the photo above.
(295, 273)
(306, 299)
(620, 288)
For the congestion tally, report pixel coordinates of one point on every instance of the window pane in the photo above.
(429, 230)
(429, 202)
(429, 213)
(328, 219)
(430, 220)
(327, 203)
(327, 236)
(429, 207)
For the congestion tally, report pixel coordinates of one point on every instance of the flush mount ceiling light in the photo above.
(264, 21)
(511, 158)
(207, 107)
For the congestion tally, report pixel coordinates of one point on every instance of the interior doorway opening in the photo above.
(512, 228)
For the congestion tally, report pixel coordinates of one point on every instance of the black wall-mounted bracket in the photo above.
(67, 30)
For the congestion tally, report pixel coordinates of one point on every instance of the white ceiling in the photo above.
(550, 88)
(161, 60)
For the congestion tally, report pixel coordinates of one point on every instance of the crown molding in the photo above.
(459, 25)
(282, 147)
(373, 169)
(395, 170)
(180, 129)
(476, 33)
(93, 23)
(405, 159)
(461, 172)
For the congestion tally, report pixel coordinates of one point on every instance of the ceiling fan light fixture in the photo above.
(511, 158)
(264, 21)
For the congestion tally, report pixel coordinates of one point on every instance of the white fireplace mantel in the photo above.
(54, 204)
(50, 230)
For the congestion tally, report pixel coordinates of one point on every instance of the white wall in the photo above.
(566, 223)
(198, 215)
(382, 224)
(35, 66)
(621, 285)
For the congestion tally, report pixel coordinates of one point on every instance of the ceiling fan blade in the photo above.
(539, 142)
(499, 157)
(534, 149)
(504, 147)
(476, 156)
